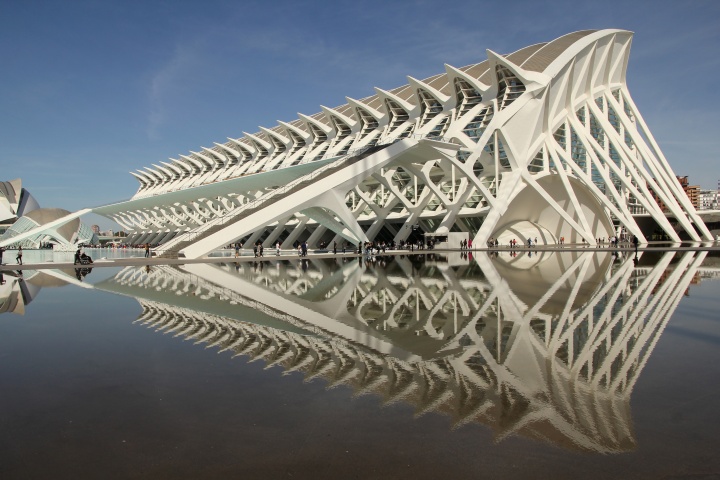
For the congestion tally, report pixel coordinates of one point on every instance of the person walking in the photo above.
(255, 250)
(2, 249)
(277, 248)
(147, 250)
(304, 249)
(18, 258)
(77, 257)
(261, 249)
(237, 250)
(335, 248)
(635, 242)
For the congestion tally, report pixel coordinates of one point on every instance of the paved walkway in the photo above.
(292, 255)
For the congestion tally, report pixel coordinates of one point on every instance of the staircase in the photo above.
(173, 248)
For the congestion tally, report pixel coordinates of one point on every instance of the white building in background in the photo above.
(708, 199)
(47, 228)
(24, 223)
(544, 142)
(15, 201)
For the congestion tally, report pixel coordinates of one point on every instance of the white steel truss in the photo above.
(545, 142)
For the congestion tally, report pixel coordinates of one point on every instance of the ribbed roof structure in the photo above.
(544, 143)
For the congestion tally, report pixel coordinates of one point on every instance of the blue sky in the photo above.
(92, 90)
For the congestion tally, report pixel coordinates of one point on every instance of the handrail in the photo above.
(254, 204)
(258, 202)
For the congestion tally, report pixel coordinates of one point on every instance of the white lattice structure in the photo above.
(548, 346)
(544, 142)
(545, 345)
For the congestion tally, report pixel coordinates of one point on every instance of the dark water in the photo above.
(554, 366)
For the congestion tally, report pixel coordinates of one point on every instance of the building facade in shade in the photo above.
(545, 142)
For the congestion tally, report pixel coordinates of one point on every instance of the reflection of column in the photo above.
(549, 352)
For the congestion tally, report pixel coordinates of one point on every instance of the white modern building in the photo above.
(46, 227)
(544, 142)
(15, 201)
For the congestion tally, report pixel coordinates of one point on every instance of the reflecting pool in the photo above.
(550, 365)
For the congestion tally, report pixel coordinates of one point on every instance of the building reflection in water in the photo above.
(19, 288)
(547, 346)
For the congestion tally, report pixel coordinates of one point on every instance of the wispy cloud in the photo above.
(165, 79)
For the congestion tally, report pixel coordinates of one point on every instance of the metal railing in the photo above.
(216, 223)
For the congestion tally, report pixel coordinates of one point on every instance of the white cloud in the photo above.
(165, 79)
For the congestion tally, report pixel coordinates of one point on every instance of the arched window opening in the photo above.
(342, 128)
(596, 131)
(467, 96)
(298, 144)
(430, 107)
(398, 115)
(502, 154)
(560, 136)
(509, 87)
(439, 129)
(343, 131)
(369, 123)
(319, 137)
(479, 124)
(538, 162)
(262, 151)
(279, 146)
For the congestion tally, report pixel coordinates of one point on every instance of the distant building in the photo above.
(15, 201)
(692, 192)
(708, 199)
(65, 236)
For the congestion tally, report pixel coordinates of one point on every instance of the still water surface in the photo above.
(552, 366)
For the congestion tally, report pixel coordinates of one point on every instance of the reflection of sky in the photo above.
(129, 397)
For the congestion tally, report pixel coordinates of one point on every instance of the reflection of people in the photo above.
(81, 273)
